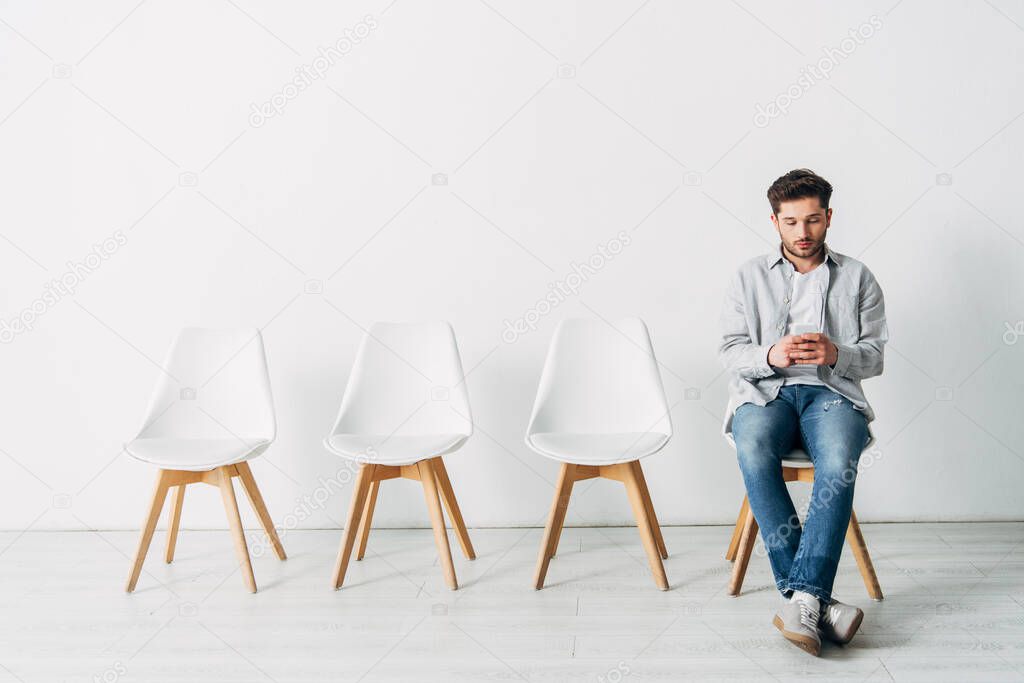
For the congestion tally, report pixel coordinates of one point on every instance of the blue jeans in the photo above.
(833, 433)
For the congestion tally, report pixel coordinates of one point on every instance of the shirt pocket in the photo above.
(844, 317)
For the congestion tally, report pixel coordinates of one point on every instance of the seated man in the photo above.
(801, 327)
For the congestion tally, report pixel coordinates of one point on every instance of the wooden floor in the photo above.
(954, 610)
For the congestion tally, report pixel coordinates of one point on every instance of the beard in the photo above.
(804, 252)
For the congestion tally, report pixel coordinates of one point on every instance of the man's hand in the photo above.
(813, 349)
(803, 349)
(779, 356)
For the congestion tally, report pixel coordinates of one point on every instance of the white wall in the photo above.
(648, 127)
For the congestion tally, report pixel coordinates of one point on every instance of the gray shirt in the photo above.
(754, 316)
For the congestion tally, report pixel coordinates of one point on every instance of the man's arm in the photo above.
(865, 358)
(737, 352)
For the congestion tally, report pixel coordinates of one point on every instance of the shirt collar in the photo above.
(775, 257)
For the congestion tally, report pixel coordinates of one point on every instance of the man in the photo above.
(801, 327)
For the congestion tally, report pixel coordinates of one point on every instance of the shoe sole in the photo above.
(805, 643)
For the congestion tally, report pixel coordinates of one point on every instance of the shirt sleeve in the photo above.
(865, 358)
(737, 352)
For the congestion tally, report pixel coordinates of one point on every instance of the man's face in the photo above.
(802, 224)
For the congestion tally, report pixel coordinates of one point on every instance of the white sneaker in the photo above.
(839, 622)
(798, 621)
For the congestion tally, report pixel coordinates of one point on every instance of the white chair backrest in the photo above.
(407, 380)
(600, 378)
(216, 387)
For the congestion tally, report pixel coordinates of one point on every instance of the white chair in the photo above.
(796, 466)
(600, 408)
(404, 407)
(212, 411)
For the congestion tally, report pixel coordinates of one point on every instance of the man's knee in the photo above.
(836, 463)
(759, 435)
(756, 448)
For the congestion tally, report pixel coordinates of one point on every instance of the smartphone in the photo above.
(804, 328)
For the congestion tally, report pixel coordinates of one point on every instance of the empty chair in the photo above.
(405, 406)
(601, 407)
(211, 413)
(796, 466)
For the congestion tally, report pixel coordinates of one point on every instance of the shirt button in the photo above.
(781, 326)
(786, 300)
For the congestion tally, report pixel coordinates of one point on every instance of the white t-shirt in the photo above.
(806, 315)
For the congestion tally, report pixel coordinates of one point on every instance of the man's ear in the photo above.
(828, 217)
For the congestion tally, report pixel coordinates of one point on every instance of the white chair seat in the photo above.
(597, 449)
(399, 449)
(194, 455)
(798, 457)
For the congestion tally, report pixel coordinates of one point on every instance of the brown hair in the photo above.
(797, 184)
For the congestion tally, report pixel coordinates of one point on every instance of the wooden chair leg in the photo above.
(631, 478)
(451, 505)
(743, 552)
(563, 491)
(560, 522)
(730, 554)
(367, 520)
(557, 534)
(860, 552)
(252, 492)
(156, 506)
(655, 526)
(559, 527)
(174, 521)
(563, 510)
(227, 494)
(355, 510)
(428, 478)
